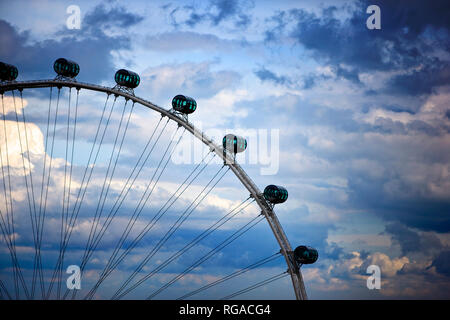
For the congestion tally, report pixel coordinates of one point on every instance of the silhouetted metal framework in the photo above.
(266, 208)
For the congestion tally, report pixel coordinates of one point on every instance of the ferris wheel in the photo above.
(93, 199)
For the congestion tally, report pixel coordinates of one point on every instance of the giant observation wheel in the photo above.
(34, 202)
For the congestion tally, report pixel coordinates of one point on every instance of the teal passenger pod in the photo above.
(305, 255)
(275, 194)
(234, 144)
(184, 104)
(8, 72)
(66, 68)
(127, 78)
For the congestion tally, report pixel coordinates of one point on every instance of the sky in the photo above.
(359, 120)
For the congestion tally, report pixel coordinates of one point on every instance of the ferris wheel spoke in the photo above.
(142, 201)
(68, 170)
(7, 224)
(107, 181)
(103, 195)
(256, 285)
(37, 270)
(81, 192)
(88, 165)
(181, 219)
(17, 273)
(73, 217)
(233, 275)
(76, 209)
(144, 156)
(124, 192)
(166, 206)
(52, 144)
(153, 221)
(211, 253)
(72, 152)
(28, 186)
(4, 290)
(40, 213)
(7, 178)
(231, 214)
(12, 235)
(144, 198)
(63, 211)
(100, 220)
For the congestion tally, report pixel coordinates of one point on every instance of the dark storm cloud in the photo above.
(412, 209)
(422, 126)
(422, 81)
(395, 184)
(389, 126)
(217, 11)
(408, 46)
(397, 108)
(194, 18)
(410, 32)
(90, 47)
(408, 239)
(312, 79)
(442, 263)
(114, 17)
(307, 82)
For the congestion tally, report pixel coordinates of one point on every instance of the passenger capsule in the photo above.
(305, 255)
(66, 68)
(127, 78)
(234, 144)
(275, 194)
(8, 72)
(184, 104)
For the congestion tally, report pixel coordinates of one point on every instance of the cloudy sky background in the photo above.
(363, 119)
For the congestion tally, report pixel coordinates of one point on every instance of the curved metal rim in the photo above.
(266, 209)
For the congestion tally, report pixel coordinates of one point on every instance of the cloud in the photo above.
(306, 81)
(14, 145)
(334, 252)
(35, 59)
(10, 104)
(116, 17)
(266, 75)
(389, 267)
(442, 263)
(176, 41)
(404, 43)
(193, 79)
(417, 244)
(401, 278)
